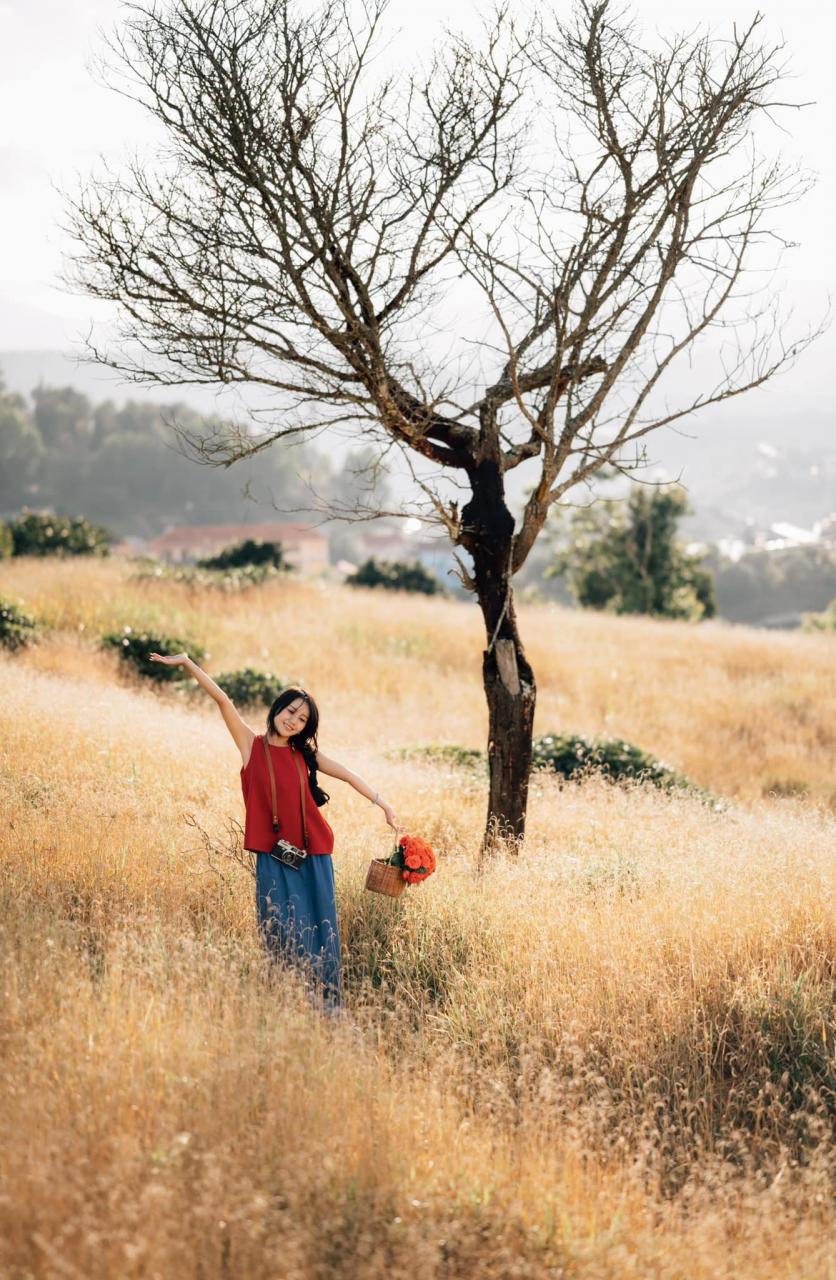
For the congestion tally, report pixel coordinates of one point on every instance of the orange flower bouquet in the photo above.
(410, 862)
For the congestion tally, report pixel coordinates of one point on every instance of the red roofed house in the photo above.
(306, 549)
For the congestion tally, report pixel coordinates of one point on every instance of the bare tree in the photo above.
(493, 263)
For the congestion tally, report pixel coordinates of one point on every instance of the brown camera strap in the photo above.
(295, 755)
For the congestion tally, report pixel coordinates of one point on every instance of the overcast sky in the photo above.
(55, 120)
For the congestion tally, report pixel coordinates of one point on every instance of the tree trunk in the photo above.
(508, 679)
(510, 692)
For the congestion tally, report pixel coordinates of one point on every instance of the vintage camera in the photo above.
(284, 851)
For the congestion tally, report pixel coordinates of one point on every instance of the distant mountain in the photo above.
(760, 473)
(22, 371)
(24, 327)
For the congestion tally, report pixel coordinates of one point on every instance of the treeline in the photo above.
(774, 587)
(625, 556)
(120, 466)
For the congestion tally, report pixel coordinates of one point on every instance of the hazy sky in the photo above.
(55, 120)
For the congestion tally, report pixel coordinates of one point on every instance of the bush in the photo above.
(396, 575)
(49, 535)
(249, 687)
(191, 575)
(17, 629)
(821, 621)
(7, 542)
(135, 648)
(571, 755)
(251, 551)
(450, 754)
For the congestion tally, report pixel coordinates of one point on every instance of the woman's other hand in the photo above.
(389, 814)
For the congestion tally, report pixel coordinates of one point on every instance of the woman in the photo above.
(296, 906)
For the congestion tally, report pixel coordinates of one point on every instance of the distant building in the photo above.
(386, 543)
(306, 549)
(732, 548)
(783, 535)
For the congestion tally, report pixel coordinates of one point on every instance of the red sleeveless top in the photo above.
(255, 783)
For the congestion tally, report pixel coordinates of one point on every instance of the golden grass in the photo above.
(612, 1057)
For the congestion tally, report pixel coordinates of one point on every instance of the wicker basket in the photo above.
(384, 878)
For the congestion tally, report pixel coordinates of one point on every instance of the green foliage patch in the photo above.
(49, 535)
(249, 687)
(17, 629)
(252, 552)
(569, 755)
(785, 788)
(445, 753)
(229, 580)
(396, 575)
(572, 755)
(116, 464)
(135, 647)
(825, 621)
(626, 558)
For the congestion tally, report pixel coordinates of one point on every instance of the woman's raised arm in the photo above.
(241, 732)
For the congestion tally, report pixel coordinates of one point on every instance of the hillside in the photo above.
(611, 1058)
(740, 711)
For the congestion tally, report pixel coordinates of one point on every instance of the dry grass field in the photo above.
(611, 1058)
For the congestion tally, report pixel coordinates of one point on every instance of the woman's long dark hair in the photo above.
(304, 741)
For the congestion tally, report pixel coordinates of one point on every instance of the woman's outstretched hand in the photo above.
(170, 660)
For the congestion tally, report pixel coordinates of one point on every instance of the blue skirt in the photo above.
(297, 915)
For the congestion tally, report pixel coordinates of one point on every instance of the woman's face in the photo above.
(292, 718)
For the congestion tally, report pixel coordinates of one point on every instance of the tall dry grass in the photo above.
(611, 1057)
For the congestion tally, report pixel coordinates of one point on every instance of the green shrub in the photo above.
(396, 575)
(825, 621)
(249, 687)
(446, 753)
(49, 535)
(7, 542)
(571, 755)
(17, 629)
(785, 788)
(191, 575)
(252, 551)
(135, 648)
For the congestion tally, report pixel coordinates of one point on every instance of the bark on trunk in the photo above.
(510, 692)
(507, 676)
